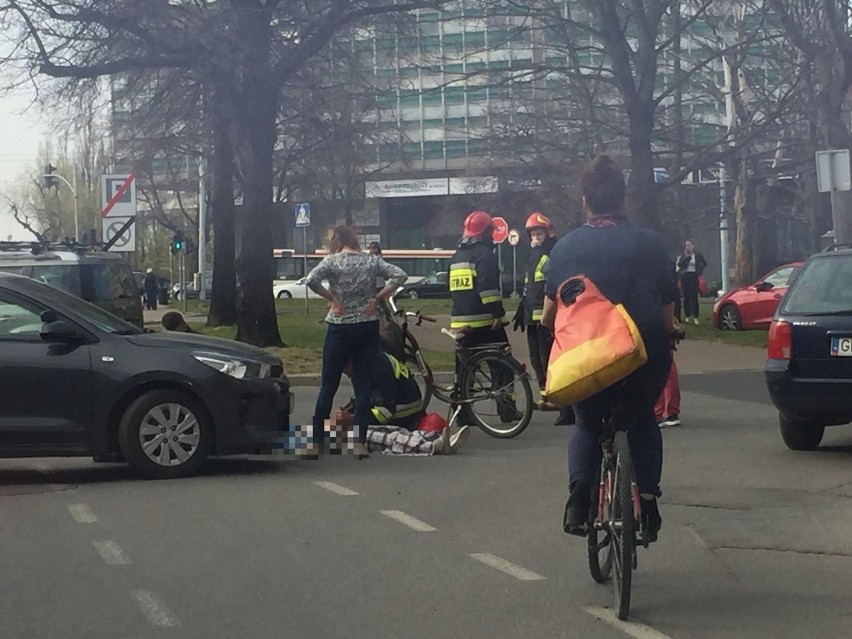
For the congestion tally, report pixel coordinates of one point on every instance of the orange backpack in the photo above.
(595, 343)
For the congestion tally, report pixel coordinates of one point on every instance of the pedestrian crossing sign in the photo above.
(303, 215)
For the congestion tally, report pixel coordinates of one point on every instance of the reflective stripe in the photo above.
(404, 410)
(460, 272)
(536, 314)
(489, 293)
(381, 414)
(399, 369)
(540, 275)
(491, 299)
(456, 265)
(473, 321)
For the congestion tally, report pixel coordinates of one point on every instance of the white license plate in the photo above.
(841, 346)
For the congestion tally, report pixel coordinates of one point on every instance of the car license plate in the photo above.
(841, 346)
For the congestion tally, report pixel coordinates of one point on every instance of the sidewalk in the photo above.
(155, 317)
(694, 356)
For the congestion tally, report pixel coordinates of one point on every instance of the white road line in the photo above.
(516, 571)
(337, 489)
(636, 630)
(155, 611)
(111, 552)
(407, 520)
(82, 514)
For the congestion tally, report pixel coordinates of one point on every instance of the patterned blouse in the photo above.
(352, 280)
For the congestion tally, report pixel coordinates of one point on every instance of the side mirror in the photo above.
(762, 287)
(60, 332)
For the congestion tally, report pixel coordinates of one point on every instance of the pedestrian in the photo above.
(629, 266)
(667, 408)
(151, 288)
(691, 266)
(174, 322)
(398, 414)
(477, 305)
(528, 316)
(352, 324)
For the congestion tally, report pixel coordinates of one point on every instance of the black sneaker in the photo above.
(575, 521)
(651, 520)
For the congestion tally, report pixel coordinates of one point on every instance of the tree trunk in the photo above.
(641, 188)
(257, 322)
(744, 196)
(223, 303)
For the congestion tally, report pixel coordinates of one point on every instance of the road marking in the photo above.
(516, 571)
(154, 610)
(82, 514)
(337, 489)
(111, 552)
(407, 520)
(636, 630)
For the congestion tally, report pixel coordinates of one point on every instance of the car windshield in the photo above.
(90, 313)
(823, 287)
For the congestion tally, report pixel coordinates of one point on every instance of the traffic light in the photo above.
(49, 179)
(178, 242)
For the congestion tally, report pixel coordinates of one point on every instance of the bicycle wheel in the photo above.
(622, 526)
(497, 390)
(599, 542)
(421, 373)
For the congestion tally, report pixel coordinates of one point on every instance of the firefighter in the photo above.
(528, 316)
(477, 305)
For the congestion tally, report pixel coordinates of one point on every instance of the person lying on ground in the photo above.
(173, 321)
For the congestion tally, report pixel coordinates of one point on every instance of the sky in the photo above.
(21, 132)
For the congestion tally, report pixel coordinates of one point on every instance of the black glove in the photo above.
(518, 322)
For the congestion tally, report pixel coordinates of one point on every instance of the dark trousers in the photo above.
(342, 342)
(500, 375)
(151, 300)
(638, 394)
(539, 340)
(689, 281)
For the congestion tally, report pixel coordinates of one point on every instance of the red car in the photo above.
(753, 306)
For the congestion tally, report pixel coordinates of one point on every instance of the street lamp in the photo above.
(50, 176)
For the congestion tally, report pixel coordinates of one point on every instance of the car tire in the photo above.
(800, 435)
(730, 318)
(284, 295)
(168, 410)
(414, 295)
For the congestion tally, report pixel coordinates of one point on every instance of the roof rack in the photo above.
(837, 246)
(36, 247)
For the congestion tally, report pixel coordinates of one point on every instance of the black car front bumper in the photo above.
(824, 401)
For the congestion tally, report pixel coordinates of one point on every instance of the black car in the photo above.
(434, 285)
(809, 368)
(78, 381)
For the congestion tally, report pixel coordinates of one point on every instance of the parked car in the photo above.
(99, 277)
(79, 381)
(753, 306)
(434, 285)
(809, 366)
(286, 290)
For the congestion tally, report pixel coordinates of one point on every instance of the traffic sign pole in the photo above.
(514, 238)
(305, 244)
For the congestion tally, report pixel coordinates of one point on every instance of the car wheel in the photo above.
(729, 318)
(800, 435)
(413, 295)
(165, 434)
(284, 295)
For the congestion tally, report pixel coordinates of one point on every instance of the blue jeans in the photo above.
(639, 394)
(358, 342)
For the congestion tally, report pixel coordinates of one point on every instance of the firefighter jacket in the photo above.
(475, 286)
(396, 395)
(534, 281)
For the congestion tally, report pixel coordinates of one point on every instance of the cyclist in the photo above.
(528, 316)
(477, 305)
(615, 253)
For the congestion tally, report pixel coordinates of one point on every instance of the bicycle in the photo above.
(615, 516)
(487, 377)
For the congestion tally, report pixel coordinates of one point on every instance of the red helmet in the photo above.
(432, 423)
(476, 224)
(539, 221)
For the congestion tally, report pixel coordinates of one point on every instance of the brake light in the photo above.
(780, 340)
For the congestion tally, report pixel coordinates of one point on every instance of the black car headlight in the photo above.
(237, 367)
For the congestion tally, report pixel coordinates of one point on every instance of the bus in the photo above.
(418, 263)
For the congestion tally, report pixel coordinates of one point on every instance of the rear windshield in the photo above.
(94, 282)
(824, 286)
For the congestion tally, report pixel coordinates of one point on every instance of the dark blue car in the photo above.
(809, 366)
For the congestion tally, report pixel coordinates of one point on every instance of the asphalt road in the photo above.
(755, 541)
